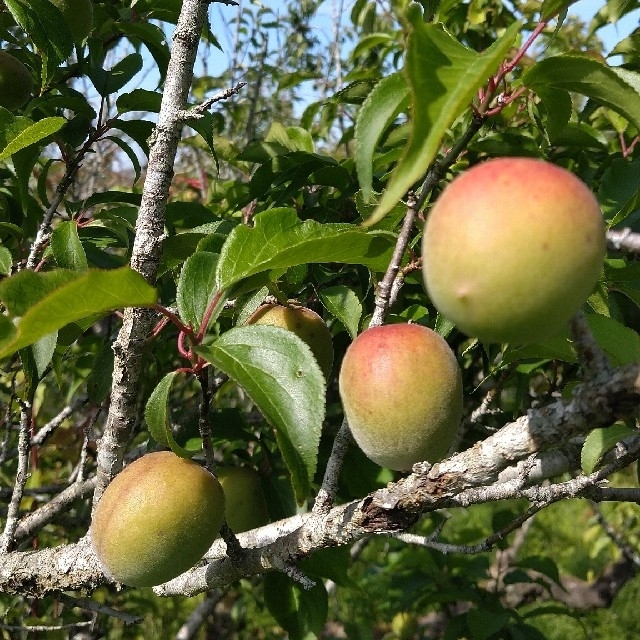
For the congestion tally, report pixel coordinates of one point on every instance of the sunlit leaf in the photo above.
(280, 374)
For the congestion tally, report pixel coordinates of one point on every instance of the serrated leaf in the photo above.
(301, 613)
(589, 77)
(32, 134)
(280, 374)
(599, 442)
(278, 240)
(444, 76)
(387, 99)
(156, 415)
(47, 303)
(67, 248)
(196, 287)
(344, 304)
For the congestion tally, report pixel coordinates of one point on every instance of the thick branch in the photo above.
(146, 253)
(449, 483)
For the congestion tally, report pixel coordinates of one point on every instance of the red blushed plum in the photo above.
(401, 390)
(512, 248)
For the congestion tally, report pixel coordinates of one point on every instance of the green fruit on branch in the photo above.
(246, 507)
(305, 323)
(404, 625)
(15, 82)
(156, 519)
(78, 15)
(401, 390)
(512, 249)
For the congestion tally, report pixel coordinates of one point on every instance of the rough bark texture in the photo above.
(147, 248)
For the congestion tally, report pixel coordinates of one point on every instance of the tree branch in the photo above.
(145, 258)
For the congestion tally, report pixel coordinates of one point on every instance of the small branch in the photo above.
(623, 240)
(327, 493)
(44, 628)
(33, 522)
(46, 430)
(8, 536)
(199, 615)
(439, 169)
(385, 286)
(623, 545)
(481, 547)
(203, 419)
(591, 356)
(198, 112)
(96, 607)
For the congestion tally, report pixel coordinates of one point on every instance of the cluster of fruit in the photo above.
(511, 250)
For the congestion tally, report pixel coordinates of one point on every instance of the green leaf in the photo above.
(621, 344)
(32, 134)
(619, 185)
(344, 304)
(67, 249)
(47, 303)
(48, 29)
(278, 240)
(6, 261)
(153, 38)
(388, 98)
(196, 287)
(589, 77)
(551, 8)
(599, 441)
(280, 374)
(156, 414)
(139, 100)
(298, 611)
(100, 379)
(444, 76)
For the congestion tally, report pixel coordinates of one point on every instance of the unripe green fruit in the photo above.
(306, 324)
(156, 519)
(15, 82)
(401, 390)
(404, 625)
(512, 249)
(78, 15)
(246, 506)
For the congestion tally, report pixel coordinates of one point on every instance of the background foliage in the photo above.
(330, 110)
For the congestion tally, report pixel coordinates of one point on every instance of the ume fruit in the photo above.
(512, 249)
(156, 519)
(401, 390)
(305, 323)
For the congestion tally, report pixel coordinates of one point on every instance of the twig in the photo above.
(622, 544)
(46, 430)
(592, 357)
(195, 113)
(96, 607)
(45, 628)
(623, 240)
(199, 616)
(385, 286)
(481, 547)
(6, 541)
(33, 522)
(327, 493)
